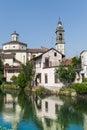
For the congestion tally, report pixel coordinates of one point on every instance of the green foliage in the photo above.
(72, 116)
(14, 78)
(21, 80)
(67, 91)
(66, 74)
(85, 80)
(1, 71)
(81, 88)
(28, 72)
(76, 62)
(28, 109)
(25, 78)
(1, 67)
(40, 91)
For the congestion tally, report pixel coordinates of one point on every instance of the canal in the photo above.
(19, 111)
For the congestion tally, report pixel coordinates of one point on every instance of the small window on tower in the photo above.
(60, 36)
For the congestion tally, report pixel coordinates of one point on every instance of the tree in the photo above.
(21, 80)
(66, 74)
(14, 79)
(76, 62)
(1, 71)
(29, 73)
(1, 67)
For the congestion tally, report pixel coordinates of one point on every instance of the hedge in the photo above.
(81, 88)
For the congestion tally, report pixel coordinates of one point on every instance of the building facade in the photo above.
(84, 63)
(47, 63)
(16, 53)
(45, 69)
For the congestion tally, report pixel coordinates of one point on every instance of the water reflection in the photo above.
(23, 112)
(50, 107)
(11, 111)
(60, 113)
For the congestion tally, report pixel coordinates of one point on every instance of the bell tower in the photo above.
(60, 42)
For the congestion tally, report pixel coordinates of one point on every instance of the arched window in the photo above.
(60, 36)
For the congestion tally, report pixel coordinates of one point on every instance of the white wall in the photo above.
(14, 46)
(21, 56)
(84, 63)
(50, 71)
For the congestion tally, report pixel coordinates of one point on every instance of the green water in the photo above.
(19, 111)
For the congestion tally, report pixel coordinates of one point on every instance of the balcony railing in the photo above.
(51, 64)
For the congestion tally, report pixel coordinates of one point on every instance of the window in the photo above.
(50, 63)
(56, 78)
(16, 71)
(40, 64)
(10, 71)
(46, 62)
(13, 46)
(46, 78)
(60, 36)
(46, 106)
(55, 54)
(24, 59)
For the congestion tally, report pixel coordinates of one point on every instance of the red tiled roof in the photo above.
(37, 50)
(15, 42)
(66, 62)
(12, 67)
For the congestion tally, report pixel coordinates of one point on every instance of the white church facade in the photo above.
(16, 53)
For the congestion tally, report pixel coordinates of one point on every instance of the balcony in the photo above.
(50, 64)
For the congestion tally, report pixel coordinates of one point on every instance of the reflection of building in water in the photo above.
(49, 113)
(12, 111)
(85, 122)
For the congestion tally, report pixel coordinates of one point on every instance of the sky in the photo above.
(36, 21)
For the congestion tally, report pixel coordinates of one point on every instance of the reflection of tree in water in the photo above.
(1, 100)
(82, 105)
(69, 114)
(27, 106)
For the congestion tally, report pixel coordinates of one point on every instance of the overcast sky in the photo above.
(36, 20)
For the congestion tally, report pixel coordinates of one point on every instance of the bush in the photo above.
(81, 88)
(85, 80)
(67, 91)
(40, 91)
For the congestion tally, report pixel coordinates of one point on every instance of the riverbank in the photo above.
(41, 91)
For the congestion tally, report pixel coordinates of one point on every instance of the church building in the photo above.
(15, 53)
(47, 63)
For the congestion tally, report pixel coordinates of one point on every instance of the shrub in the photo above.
(81, 88)
(67, 91)
(85, 80)
(40, 91)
